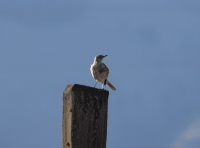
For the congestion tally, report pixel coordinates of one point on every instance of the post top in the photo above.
(87, 89)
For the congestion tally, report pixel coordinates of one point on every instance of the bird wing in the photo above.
(103, 68)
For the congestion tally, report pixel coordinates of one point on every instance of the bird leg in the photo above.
(95, 84)
(104, 83)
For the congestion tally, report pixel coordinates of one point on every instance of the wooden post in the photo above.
(84, 121)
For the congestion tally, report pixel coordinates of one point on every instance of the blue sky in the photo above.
(153, 50)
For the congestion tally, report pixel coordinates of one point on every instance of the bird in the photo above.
(100, 72)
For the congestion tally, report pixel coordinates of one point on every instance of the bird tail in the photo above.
(110, 85)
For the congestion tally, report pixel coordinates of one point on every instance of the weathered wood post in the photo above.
(84, 121)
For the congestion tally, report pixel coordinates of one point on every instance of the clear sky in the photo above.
(153, 50)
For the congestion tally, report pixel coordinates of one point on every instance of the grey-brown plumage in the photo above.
(100, 72)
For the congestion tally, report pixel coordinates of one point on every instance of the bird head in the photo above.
(99, 58)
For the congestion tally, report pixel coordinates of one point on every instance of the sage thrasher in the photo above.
(100, 72)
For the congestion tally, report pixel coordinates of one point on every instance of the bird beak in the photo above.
(105, 56)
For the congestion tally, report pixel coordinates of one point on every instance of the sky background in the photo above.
(153, 50)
